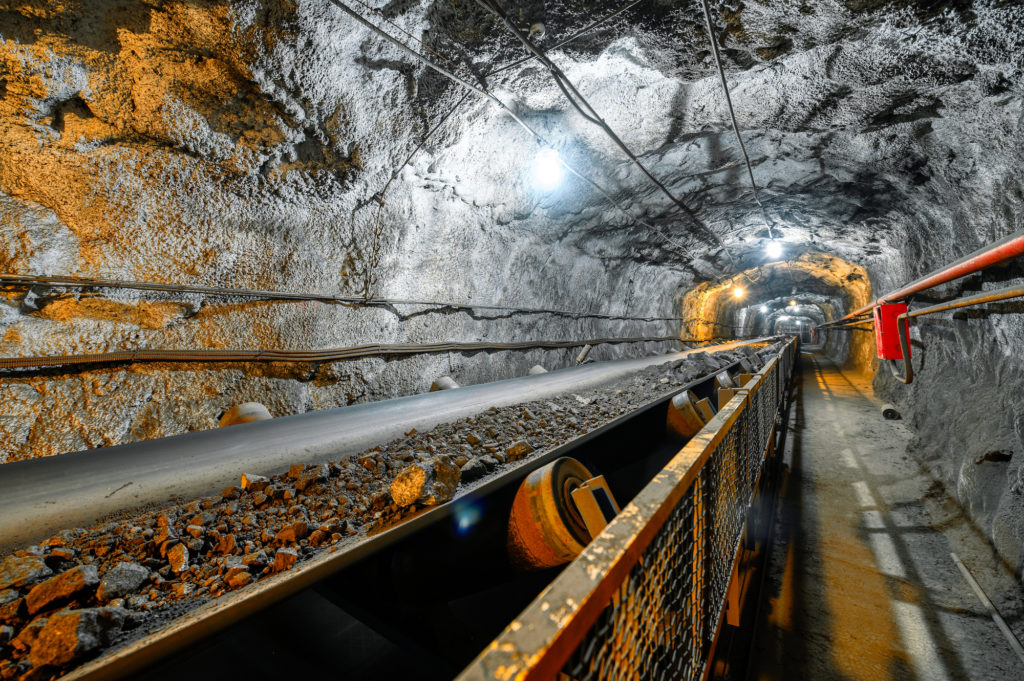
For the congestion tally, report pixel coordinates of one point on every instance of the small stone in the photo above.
(62, 588)
(225, 545)
(295, 472)
(311, 477)
(518, 450)
(430, 482)
(318, 537)
(259, 499)
(70, 634)
(177, 557)
(237, 577)
(121, 580)
(196, 531)
(231, 492)
(473, 439)
(6, 634)
(292, 533)
(284, 559)
(254, 483)
(474, 469)
(256, 561)
(22, 571)
(163, 534)
(183, 590)
(63, 553)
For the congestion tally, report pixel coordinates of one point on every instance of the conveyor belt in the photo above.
(45, 495)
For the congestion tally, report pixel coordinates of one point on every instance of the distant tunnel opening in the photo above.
(792, 296)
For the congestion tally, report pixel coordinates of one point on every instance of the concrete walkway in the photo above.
(862, 586)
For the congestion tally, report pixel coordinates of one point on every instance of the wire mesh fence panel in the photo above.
(662, 620)
(654, 626)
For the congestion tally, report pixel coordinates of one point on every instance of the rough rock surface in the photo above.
(70, 634)
(121, 580)
(429, 483)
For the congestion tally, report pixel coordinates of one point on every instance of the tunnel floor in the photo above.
(862, 585)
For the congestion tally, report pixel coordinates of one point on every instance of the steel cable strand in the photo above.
(314, 356)
(82, 282)
(508, 110)
(732, 116)
(578, 101)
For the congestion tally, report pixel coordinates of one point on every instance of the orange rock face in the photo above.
(62, 588)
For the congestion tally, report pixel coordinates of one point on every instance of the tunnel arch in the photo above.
(823, 286)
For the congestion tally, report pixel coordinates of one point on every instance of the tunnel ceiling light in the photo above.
(792, 303)
(548, 171)
(739, 292)
(773, 249)
(764, 309)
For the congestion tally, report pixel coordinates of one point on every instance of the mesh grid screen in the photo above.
(660, 623)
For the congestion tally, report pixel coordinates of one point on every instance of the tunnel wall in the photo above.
(966, 406)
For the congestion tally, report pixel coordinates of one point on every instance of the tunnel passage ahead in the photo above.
(862, 585)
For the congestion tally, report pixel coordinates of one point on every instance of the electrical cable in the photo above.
(572, 95)
(508, 110)
(732, 116)
(500, 69)
(315, 356)
(83, 282)
(574, 36)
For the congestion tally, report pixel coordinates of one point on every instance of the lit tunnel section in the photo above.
(790, 296)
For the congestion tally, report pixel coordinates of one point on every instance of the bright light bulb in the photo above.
(792, 303)
(547, 170)
(773, 249)
(738, 292)
(764, 309)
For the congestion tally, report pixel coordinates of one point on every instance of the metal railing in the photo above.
(646, 598)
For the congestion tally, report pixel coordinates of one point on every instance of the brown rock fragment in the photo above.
(429, 482)
(237, 577)
(518, 450)
(26, 638)
(284, 559)
(231, 492)
(11, 606)
(63, 553)
(292, 533)
(22, 571)
(177, 557)
(256, 561)
(254, 483)
(120, 580)
(225, 545)
(62, 588)
(70, 634)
